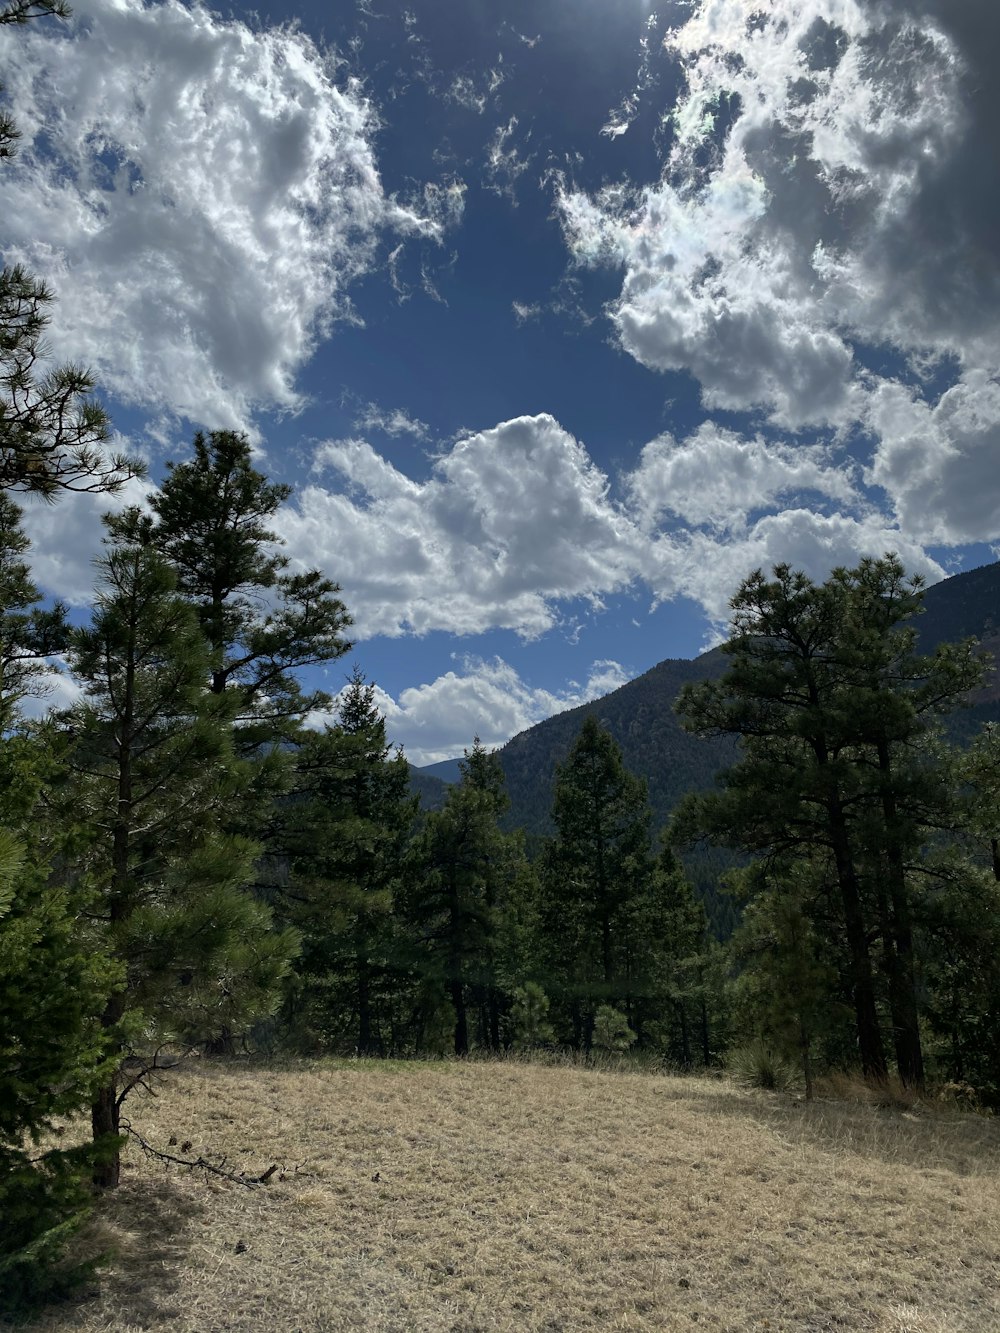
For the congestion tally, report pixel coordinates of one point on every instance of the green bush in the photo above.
(759, 1065)
(611, 1030)
(529, 1017)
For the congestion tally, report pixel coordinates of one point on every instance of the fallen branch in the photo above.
(200, 1163)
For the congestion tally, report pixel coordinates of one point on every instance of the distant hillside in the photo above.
(641, 718)
(431, 790)
(446, 770)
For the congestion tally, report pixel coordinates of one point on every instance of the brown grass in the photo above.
(508, 1196)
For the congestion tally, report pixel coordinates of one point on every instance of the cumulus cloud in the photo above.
(512, 521)
(708, 570)
(199, 193)
(827, 205)
(66, 539)
(811, 147)
(488, 699)
(516, 522)
(939, 463)
(717, 477)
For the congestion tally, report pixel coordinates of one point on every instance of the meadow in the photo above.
(478, 1197)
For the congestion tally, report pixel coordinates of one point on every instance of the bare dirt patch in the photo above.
(487, 1197)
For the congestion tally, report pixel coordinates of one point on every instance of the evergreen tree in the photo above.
(960, 921)
(346, 832)
(29, 633)
(262, 623)
(152, 773)
(597, 870)
(832, 706)
(670, 927)
(53, 978)
(460, 870)
(787, 984)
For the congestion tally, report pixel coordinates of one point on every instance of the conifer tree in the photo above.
(52, 432)
(597, 869)
(54, 978)
(669, 927)
(833, 705)
(787, 983)
(262, 623)
(345, 835)
(460, 868)
(152, 773)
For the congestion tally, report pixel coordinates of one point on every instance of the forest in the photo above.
(198, 858)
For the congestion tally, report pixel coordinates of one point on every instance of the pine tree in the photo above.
(53, 1054)
(460, 869)
(53, 977)
(345, 835)
(29, 633)
(787, 984)
(52, 432)
(262, 623)
(597, 870)
(152, 773)
(833, 706)
(670, 929)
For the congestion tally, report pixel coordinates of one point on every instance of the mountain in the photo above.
(431, 790)
(446, 770)
(640, 714)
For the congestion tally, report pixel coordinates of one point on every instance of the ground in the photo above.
(474, 1197)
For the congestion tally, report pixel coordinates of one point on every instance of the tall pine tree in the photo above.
(152, 774)
(345, 833)
(597, 869)
(833, 707)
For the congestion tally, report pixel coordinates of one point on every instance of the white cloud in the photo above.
(391, 421)
(66, 539)
(200, 194)
(807, 143)
(503, 163)
(939, 463)
(488, 699)
(829, 202)
(512, 521)
(517, 521)
(697, 564)
(719, 478)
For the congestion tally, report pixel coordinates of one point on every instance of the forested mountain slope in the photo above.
(640, 714)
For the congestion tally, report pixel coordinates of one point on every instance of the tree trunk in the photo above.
(364, 1007)
(685, 1034)
(706, 1050)
(105, 1121)
(902, 978)
(461, 1017)
(870, 1047)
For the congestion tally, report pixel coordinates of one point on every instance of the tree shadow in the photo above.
(144, 1230)
(960, 1142)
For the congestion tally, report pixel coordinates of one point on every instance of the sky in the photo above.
(560, 316)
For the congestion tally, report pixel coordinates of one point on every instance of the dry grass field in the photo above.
(507, 1196)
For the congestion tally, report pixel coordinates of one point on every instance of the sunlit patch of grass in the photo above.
(512, 1196)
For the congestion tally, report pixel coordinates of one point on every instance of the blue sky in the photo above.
(560, 317)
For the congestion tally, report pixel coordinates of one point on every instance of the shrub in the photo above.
(759, 1065)
(529, 1017)
(611, 1030)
